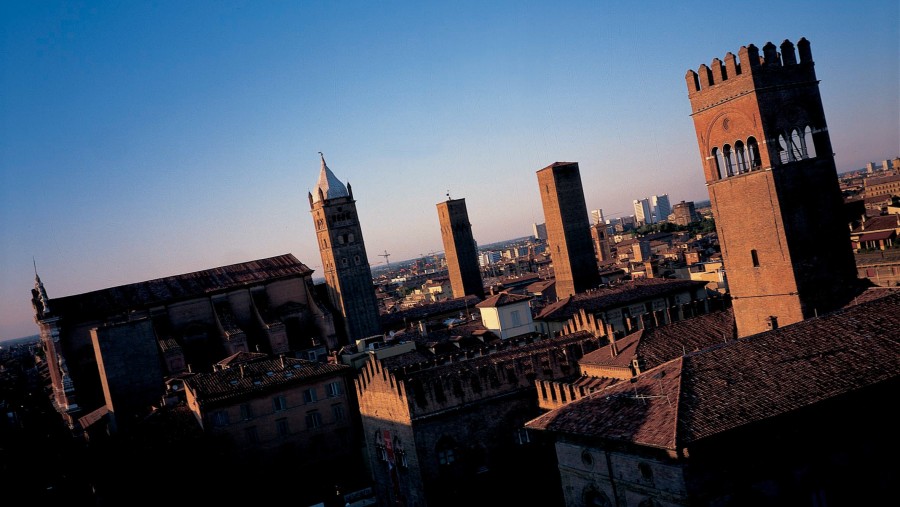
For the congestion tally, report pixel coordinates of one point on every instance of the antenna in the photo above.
(35, 266)
(448, 195)
(386, 256)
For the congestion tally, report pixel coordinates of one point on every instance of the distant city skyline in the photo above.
(140, 141)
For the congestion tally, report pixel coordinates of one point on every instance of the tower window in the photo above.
(755, 258)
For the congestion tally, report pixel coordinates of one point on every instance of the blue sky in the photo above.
(147, 139)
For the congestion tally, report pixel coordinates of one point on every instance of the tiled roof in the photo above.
(878, 224)
(626, 349)
(611, 297)
(259, 377)
(658, 345)
(511, 352)
(141, 295)
(425, 312)
(743, 381)
(642, 411)
(502, 299)
(241, 357)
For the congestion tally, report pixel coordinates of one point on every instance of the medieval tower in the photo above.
(460, 249)
(344, 261)
(568, 229)
(772, 184)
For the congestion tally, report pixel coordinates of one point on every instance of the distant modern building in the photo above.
(643, 212)
(539, 231)
(345, 265)
(773, 186)
(459, 249)
(597, 217)
(661, 207)
(568, 234)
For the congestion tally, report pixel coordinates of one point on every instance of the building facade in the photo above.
(643, 212)
(104, 348)
(460, 250)
(568, 233)
(345, 265)
(773, 185)
(661, 207)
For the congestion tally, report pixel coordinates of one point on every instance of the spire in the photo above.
(39, 287)
(328, 184)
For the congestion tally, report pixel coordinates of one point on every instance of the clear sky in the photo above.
(146, 139)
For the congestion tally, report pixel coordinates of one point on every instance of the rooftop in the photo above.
(143, 295)
(743, 381)
(626, 293)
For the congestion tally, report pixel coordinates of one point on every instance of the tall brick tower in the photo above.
(772, 185)
(568, 229)
(344, 261)
(459, 248)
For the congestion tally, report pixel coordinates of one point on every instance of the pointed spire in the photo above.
(328, 186)
(39, 287)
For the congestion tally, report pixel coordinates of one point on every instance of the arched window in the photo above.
(593, 497)
(798, 150)
(784, 154)
(729, 161)
(717, 160)
(753, 154)
(809, 142)
(741, 157)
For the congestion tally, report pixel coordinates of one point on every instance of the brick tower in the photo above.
(772, 185)
(344, 261)
(459, 248)
(568, 229)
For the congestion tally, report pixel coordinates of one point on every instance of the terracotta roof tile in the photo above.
(743, 381)
(629, 292)
(502, 299)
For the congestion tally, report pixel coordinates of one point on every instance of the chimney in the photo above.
(241, 367)
(613, 348)
(282, 361)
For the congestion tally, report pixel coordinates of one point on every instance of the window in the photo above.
(755, 258)
(522, 436)
(446, 457)
(587, 458)
(280, 403)
(311, 355)
(516, 321)
(282, 427)
(446, 452)
(338, 412)
(251, 435)
(220, 418)
(246, 411)
(309, 396)
(334, 389)
(313, 420)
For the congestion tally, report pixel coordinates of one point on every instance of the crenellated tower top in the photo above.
(747, 70)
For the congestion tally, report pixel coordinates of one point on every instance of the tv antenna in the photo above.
(386, 256)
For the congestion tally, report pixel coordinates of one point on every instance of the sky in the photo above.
(147, 139)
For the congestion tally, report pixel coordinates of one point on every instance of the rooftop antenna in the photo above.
(448, 195)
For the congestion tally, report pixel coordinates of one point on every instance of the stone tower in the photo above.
(772, 185)
(568, 228)
(459, 248)
(344, 261)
